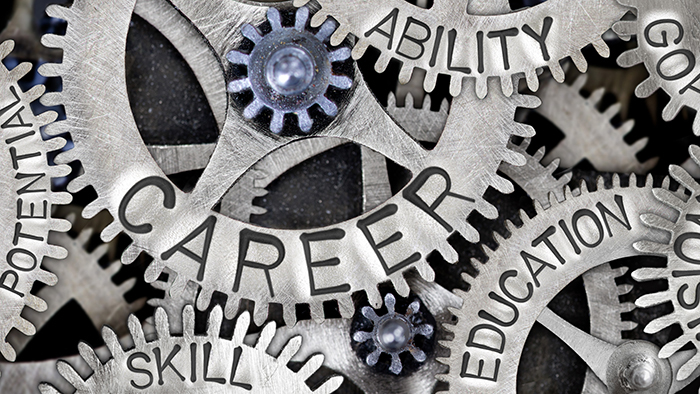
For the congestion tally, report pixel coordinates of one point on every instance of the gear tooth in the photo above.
(56, 128)
(359, 49)
(427, 102)
(658, 324)
(688, 369)
(626, 307)
(401, 286)
(20, 71)
(539, 155)
(647, 247)
(266, 335)
(533, 83)
(557, 71)
(51, 70)
(409, 102)
(616, 181)
(601, 47)
(34, 93)
(596, 96)
(162, 325)
(88, 354)
(628, 325)
(56, 252)
(136, 331)
(112, 342)
(35, 302)
(78, 183)
(6, 47)
(694, 151)
(53, 41)
(657, 222)
(346, 307)
(70, 374)
(391, 101)
(382, 63)
(59, 12)
(506, 86)
(600, 183)
(583, 186)
(682, 177)
(653, 299)
(579, 61)
(430, 80)
(426, 272)
(456, 86)
(60, 225)
(55, 144)
(510, 226)
(92, 209)
(625, 29)
(481, 87)
(696, 125)
(316, 309)
(612, 111)
(646, 88)
(405, 75)
(624, 288)
(260, 315)
(667, 197)
(672, 109)
(630, 58)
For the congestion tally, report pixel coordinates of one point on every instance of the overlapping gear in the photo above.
(283, 86)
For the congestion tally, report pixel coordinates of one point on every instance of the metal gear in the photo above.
(333, 339)
(220, 366)
(198, 244)
(534, 178)
(529, 268)
(28, 201)
(680, 271)
(393, 333)
(666, 33)
(83, 280)
(289, 70)
(473, 46)
(589, 133)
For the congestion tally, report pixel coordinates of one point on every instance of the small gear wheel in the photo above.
(289, 70)
(394, 333)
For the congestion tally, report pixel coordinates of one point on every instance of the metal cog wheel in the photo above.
(287, 76)
(83, 280)
(589, 133)
(534, 264)
(28, 201)
(183, 234)
(680, 271)
(212, 364)
(666, 33)
(333, 338)
(473, 46)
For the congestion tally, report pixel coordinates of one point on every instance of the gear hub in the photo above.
(289, 70)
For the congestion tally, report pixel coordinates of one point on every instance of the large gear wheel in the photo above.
(680, 271)
(668, 36)
(28, 203)
(534, 264)
(473, 46)
(198, 245)
(211, 364)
